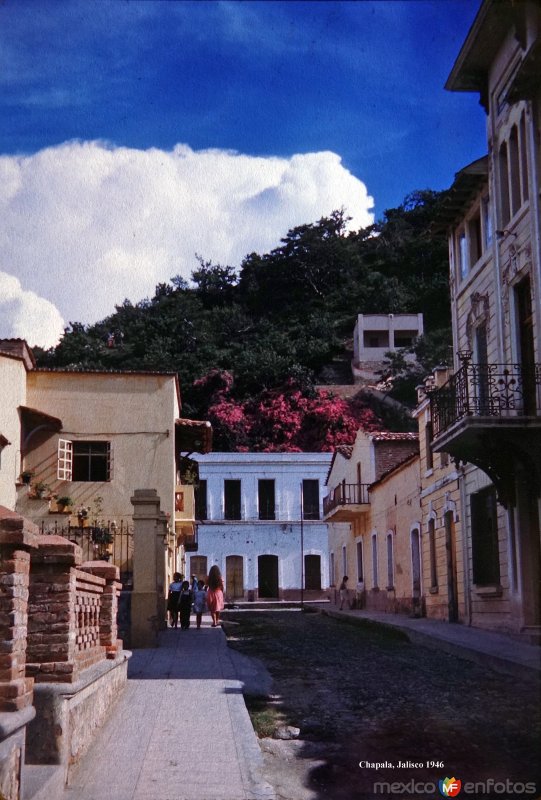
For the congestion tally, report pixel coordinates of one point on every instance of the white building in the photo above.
(258, 512)
(377, 334)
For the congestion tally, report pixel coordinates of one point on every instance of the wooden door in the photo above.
(234, 577)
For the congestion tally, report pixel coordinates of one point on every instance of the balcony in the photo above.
(346, 501)
(490, 415)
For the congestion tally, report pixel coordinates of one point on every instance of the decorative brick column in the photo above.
(109, 604)
(64, 608)
(18, 537)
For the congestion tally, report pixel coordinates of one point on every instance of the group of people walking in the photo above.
(199, 597)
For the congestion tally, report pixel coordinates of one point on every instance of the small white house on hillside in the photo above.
(260, 519)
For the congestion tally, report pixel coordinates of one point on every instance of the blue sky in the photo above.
(323, 103)
(363, 79)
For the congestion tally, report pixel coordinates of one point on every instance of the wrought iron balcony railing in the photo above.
(486, 390)
(350, 494)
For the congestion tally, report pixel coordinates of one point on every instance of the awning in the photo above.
(33, 421)
(193, 436)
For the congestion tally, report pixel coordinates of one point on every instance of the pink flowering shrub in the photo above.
(282, 420)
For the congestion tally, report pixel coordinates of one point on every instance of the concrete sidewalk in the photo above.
(180, 731)
(495, 650)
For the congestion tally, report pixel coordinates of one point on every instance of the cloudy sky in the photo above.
(137, 134)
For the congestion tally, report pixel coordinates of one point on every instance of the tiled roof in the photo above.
(393, 436)
(405, 461)
(100, 371)
(18, 349)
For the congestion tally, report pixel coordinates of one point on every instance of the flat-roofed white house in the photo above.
(375, 335)
(257, 513)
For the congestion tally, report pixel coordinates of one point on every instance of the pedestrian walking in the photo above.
(185, 606)
(199, 603)
(175, 589)
(215, 594)
(343, 592)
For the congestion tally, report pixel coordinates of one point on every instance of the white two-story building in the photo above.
(260, 519)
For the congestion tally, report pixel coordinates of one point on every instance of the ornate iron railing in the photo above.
(346, 494)
(104, 540)
(486, 390)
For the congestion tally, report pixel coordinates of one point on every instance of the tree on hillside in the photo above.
(285, 315)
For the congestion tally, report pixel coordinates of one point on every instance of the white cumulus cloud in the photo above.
(84, 225)
(24, 315)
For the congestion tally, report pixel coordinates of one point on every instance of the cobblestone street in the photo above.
(370, 695)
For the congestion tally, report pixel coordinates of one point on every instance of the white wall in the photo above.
(252, 539)
(12, 395)
(288, 470)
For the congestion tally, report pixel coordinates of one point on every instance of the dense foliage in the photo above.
(268, 330)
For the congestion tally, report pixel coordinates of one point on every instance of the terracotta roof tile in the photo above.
(393, 436)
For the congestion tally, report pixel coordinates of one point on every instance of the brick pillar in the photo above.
(18, 537)
(149, 568)
(52, 624)
(109, 604)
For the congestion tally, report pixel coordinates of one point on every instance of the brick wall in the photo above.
(390, 453)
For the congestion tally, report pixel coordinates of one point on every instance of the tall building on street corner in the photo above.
(487, 415)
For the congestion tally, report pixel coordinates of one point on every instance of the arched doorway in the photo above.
(234, 577)
(267, 568)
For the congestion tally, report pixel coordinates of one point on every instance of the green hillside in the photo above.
(272, 325)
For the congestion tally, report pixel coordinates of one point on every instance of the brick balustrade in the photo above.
(109, 604)
(18, 538)
(72, 611)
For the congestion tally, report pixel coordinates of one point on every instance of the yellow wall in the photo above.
(136, 413)
(395, 509)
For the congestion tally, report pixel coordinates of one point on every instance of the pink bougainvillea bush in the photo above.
(288, 419)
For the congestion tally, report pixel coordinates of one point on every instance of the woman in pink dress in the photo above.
(215, 594)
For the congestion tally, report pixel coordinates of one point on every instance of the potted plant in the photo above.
(82, 516)
(26, 476)
(102, 535)
(63, 504)
(102, 539)
(40, 489)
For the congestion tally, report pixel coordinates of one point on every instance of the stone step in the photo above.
(248, 605)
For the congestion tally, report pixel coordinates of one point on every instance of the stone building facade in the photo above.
(487, 416)
(444, 570)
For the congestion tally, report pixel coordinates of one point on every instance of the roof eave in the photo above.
(488, 30)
